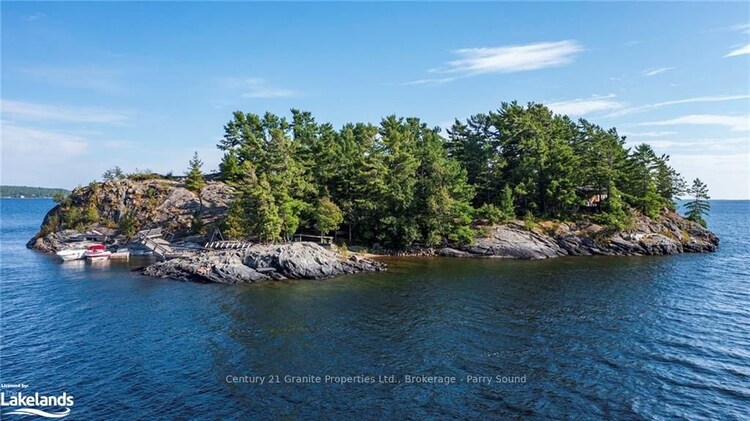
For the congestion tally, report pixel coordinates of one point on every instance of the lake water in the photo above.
(593, 338)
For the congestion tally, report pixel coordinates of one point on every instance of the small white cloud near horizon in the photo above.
(736, 123)
(41, 112)
(583, 106)
(654, 72)
(504, 59)
(739, 51)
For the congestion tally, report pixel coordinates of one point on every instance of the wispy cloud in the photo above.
(254, 87)
(647, 134)
(34, 141)
(737, 123)
(504, 59)
(40, 112)
(688, 146)
(33, 17)
(654, 72)
(583, 106)
(741, 27)
(650, 107)
(106, 80)
(739, 51)
(434, 81)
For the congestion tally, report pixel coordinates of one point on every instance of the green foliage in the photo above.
(91, 214)
(698, 206)
(229, 168)
(196, 223)
(401, 182)
(143, 175)
(60, 197)
(114, 173)
(235, 225)
(328, 216)
(74, 218)
(51, 225)
(507, 209)
(490, 213)
(195, 181)
(127, 225)
(529, 222)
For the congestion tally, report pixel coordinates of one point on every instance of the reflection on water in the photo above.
(597, 338)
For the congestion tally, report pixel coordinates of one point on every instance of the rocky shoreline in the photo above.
(261, 263)
(166, 204)
(670, 234)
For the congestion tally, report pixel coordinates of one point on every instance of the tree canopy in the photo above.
(403, 182)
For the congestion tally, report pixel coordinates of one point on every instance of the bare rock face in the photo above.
(261, 263)
(154, 203)
(669, 234)
(512, 241)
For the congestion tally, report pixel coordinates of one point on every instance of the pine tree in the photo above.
(699, 205)
(506, 204)
(195, 181)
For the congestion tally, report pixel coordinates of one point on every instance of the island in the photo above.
(25, 192)
(294, 198)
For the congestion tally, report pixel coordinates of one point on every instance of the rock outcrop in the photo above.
(260, 263)
(669, 234)
(153, 203)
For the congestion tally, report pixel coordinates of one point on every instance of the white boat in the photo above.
(67, 255)
(97, 252)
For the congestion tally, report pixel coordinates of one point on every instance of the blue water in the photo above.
(596, 338)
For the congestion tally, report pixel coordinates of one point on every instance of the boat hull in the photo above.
(69, 255)
(98, 256)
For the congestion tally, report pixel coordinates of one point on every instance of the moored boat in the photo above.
(73, 254)
(97, 252)
(120, 254)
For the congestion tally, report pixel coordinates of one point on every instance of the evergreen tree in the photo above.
(698, 206)
(507, 208)
(195, 181)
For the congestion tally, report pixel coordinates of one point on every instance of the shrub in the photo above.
(52, 224)
(127, 225)
(528, 221)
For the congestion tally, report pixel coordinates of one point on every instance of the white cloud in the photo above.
(647, 134)
(654, 72)
(39, 112)
(35, 141)
(505, 59)
(435, 81)
(739, 51)
(514, 58)
(649, 107)
(737, 123)
(742, 27)
(583, 106)
(730, 145)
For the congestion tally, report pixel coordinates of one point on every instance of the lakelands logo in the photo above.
(36, 404)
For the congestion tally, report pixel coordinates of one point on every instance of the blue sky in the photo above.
(86, 86)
